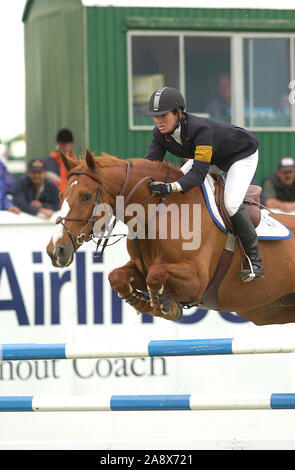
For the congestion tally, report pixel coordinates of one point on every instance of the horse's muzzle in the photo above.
(61, 257)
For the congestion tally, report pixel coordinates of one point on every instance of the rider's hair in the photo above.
(174, 111)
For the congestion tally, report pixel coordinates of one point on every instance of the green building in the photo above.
(92, 68)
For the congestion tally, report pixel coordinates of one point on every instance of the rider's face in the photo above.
(166, 123)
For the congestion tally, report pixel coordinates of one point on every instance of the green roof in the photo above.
(26, 9)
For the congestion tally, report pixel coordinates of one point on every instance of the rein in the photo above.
(81, 238)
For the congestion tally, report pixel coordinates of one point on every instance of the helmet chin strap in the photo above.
(178, 116)
(178, 122)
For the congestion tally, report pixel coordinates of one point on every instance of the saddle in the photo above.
(251, 202)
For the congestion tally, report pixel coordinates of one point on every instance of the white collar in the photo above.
(176, 135)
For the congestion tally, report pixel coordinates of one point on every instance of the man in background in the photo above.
(220, 106)
(279, 188)
(6, 187)
(36, 194)
(56, 172)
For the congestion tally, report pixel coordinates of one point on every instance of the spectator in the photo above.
(36, 194)
(56, 172)
(220, 107)
(285, 106)
(5, 203)
(8, 178)
(279, 188)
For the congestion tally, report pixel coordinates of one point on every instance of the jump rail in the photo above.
(274, 401)
(188, 347)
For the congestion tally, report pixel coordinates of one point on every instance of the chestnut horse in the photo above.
(161, 276)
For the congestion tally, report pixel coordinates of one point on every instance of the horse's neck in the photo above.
(163, 172)
(139, 173)
(211, 238)
(137, 188)
(140, 178)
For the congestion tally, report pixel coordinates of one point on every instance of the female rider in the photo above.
(207, 142)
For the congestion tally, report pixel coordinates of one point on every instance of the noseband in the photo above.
(81, 238)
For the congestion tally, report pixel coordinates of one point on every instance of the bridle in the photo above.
(81, 237)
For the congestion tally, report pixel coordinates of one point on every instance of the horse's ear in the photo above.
(68, 162)
(90, 160)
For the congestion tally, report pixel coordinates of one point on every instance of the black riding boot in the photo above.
(245, 230)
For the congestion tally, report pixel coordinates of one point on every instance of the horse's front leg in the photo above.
(170, 283)
(128, 281)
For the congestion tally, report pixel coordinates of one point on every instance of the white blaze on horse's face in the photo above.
(58, 229)
(75, 182)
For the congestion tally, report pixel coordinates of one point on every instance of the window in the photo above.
(234, 77)
(266, 80)
(207, 77)
(155, 63)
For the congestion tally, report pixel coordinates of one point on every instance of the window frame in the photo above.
(262, 35)
(237, 70)
(130, 35)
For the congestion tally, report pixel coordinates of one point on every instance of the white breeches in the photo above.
(238, 179)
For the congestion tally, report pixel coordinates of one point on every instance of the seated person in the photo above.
(279, 188)
(8, 178)
(36, 194)
(5, 187)
(220, 106)
(56, 172)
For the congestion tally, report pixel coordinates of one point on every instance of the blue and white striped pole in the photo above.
(188, 347)
(274, 401)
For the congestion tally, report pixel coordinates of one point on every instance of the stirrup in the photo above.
(248, 276)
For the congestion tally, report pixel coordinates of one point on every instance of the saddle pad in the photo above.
(268, 228)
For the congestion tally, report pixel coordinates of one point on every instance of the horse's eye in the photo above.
(86, 197)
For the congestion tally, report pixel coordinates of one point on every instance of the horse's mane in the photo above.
(157, 169)
(106, 160)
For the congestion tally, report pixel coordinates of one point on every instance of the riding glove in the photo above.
(157, 187)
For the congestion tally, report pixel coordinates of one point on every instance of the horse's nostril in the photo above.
(62, 256)
(59, 251)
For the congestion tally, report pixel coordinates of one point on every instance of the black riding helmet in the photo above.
(165, 99)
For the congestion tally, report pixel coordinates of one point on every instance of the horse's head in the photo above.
(92, 187)
(75, 224)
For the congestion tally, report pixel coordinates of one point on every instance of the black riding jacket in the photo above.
(208, 142)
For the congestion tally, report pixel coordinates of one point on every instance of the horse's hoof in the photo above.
(179, 313)
(164, 305)
(137, 300)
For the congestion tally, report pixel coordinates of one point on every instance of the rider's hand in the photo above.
(157, 187)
